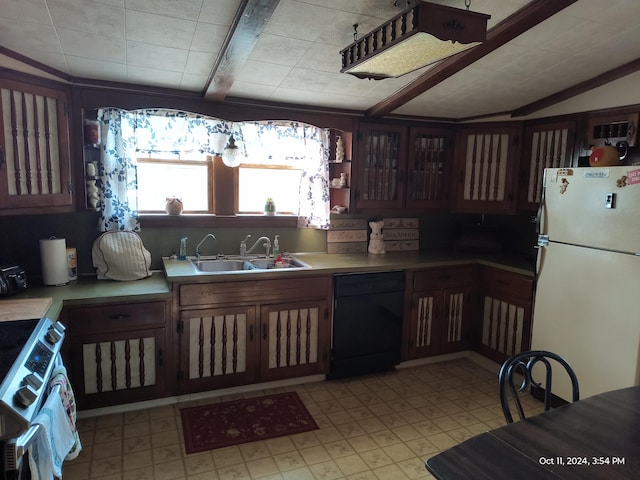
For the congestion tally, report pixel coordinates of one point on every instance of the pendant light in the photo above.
(422, 34)
(231, 155)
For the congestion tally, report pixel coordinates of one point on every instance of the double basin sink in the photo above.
(246, 264)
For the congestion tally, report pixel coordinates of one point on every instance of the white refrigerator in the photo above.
(587, 300)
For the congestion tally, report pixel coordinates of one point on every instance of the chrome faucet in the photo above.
(243, 245)
(201, 242)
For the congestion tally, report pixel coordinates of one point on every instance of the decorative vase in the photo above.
(173, 206)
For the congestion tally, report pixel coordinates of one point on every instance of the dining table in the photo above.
(591, 439)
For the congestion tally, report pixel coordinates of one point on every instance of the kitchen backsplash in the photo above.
(20, 241)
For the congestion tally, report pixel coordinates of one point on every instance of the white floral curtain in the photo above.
(117, 177)
(126, 134)
(173, 131)
(297, 144)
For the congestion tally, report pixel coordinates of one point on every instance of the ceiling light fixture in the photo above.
(418, 36)
(231, 155)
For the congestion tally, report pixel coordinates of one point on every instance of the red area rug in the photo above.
(245, 420)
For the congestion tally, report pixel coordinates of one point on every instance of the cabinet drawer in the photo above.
(511, 284)
(442, 278)
(238, 293)
(116, 316)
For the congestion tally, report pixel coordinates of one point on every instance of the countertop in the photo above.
(184, 271)
(88, 290)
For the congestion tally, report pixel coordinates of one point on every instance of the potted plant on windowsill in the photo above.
(270, 207)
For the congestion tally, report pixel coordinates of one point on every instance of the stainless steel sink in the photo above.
(246, 265)
(217, 265)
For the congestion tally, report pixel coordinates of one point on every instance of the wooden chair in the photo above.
(518, 370)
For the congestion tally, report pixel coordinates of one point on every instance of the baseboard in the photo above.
(223, 392)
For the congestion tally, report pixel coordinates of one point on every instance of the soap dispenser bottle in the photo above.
(183, 249)
(276, 246)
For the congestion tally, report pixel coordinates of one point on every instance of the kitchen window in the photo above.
(150, 155)
(191, 178)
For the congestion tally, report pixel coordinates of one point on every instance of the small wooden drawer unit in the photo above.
(442, 277)
(513, 284)
(243, 292)
(117, 316)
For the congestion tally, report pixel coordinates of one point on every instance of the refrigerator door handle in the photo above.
(543, 241)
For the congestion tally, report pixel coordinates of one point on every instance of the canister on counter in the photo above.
(72, 263)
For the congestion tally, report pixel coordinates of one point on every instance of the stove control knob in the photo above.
(33, 381)
(59, 327)
(26, 395)
(52, 336)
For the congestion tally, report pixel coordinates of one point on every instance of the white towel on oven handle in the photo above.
(59, 377)
(53, 441)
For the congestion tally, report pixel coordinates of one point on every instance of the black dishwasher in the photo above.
(367, 323)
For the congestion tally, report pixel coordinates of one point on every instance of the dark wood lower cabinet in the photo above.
(117, 353)
(221, 335)
(441, 313)
(506, 301)
(237, 333)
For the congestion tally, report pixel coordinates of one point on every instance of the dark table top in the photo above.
(596, 438)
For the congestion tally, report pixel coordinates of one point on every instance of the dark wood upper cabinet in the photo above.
(35, 173)
(401, 167)
(486, 165)
(546, 145)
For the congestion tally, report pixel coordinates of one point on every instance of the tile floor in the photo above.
(374, 427)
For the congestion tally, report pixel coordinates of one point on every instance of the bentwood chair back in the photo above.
(516, 377)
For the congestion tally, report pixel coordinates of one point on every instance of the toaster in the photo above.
(12, 279)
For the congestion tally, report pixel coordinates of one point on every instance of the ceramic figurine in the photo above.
(93, 195)
(339, 150)
(376, 242)
(173, 206)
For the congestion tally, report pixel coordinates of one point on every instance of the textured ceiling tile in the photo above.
(321, 57)
(87, 16)
(251, 90)
(96, 69)
(185, 9)
(199, 63)
(220, 12)
(150, 56)
(98, 47)
(25, 37)
(194, 83)
(263, 73)
(208, 37)
(25, 10)
(159, 29)
(158, 78)
(280, 50)
(299, 20)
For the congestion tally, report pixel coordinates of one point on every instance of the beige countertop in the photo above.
(89, 290)
(184, 271)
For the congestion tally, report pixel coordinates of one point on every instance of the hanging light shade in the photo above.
(231, 155)
(417, 37)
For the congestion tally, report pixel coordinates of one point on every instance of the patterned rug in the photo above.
(245, 420)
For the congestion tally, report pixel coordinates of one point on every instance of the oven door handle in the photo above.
(18, 447)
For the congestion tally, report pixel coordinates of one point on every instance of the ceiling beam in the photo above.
(527, 17)
(247, 26)
(602, 79)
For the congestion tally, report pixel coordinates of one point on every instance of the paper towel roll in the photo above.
(53, 256)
